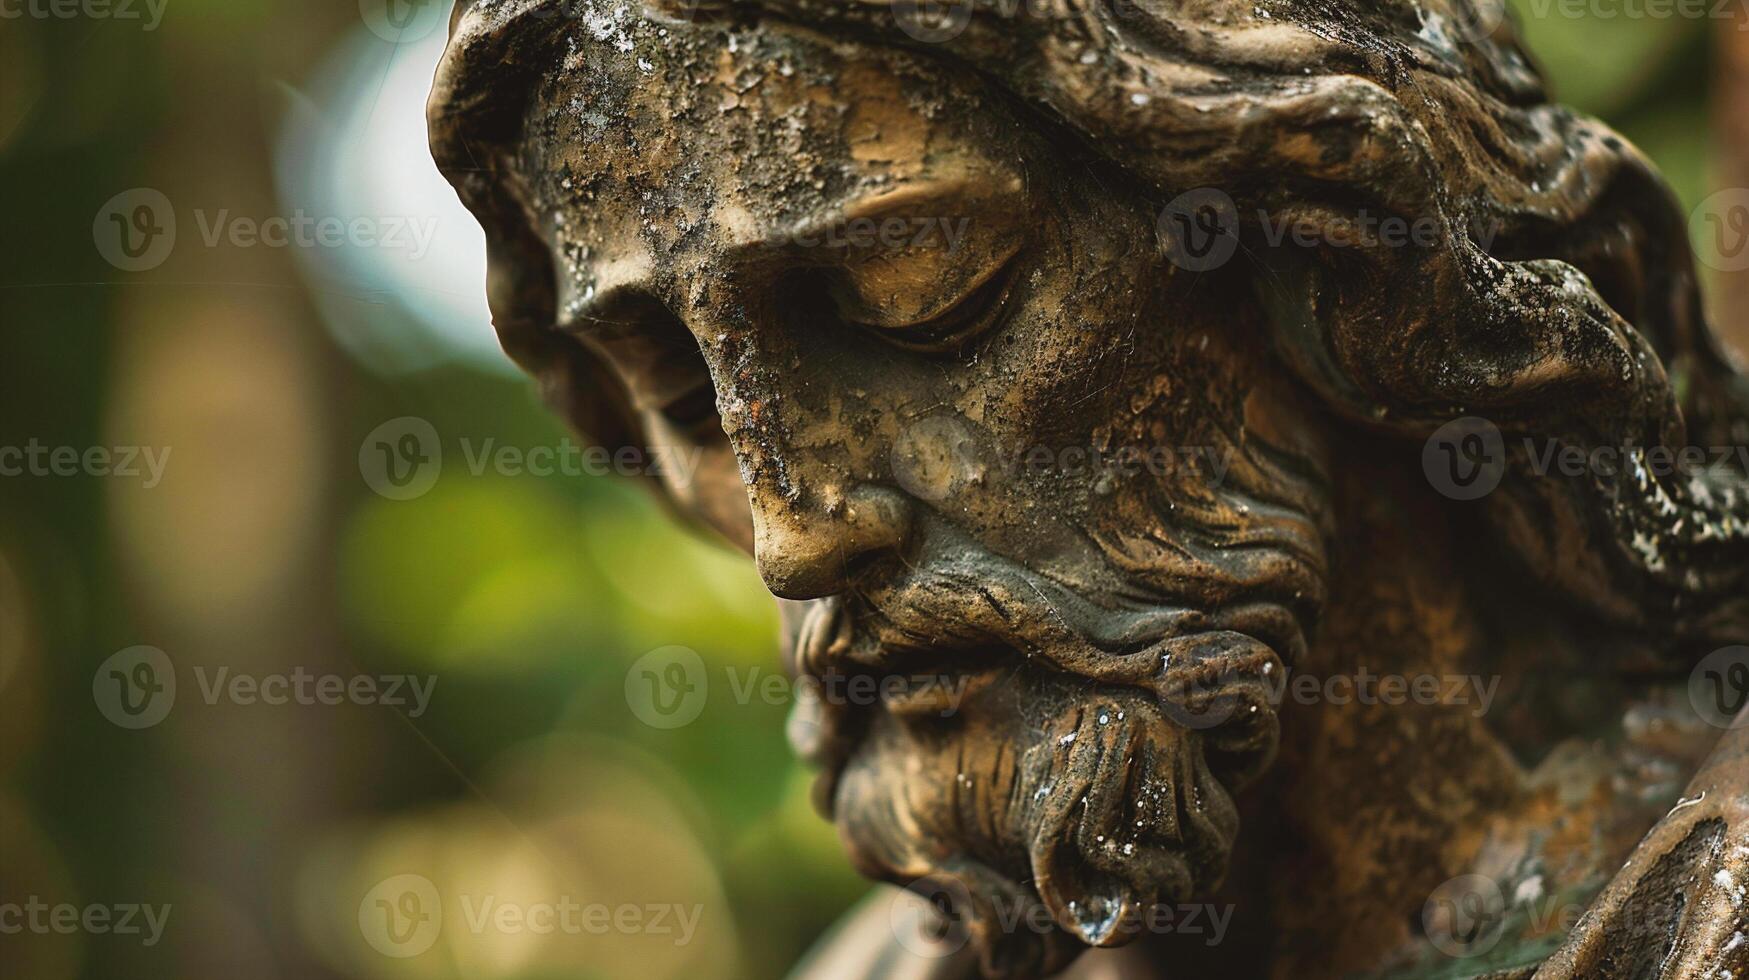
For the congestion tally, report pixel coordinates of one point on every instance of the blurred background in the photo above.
(258, 512)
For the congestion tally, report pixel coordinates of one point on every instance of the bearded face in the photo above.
(1009, 464)
(1044, 485)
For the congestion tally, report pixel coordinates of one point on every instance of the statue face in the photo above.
(1048, 509)
(1005, 458)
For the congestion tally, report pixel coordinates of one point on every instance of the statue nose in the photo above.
(806, 552)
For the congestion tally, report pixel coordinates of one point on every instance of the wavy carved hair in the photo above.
(1557, 299)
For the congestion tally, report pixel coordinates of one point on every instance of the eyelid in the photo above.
(974, 313)
(993, 271)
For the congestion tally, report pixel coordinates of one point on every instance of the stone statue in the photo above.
(1116, 386)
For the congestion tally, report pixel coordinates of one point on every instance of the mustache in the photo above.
(1117, 689)
(955, 595)
(958, 607)
(1105, 724)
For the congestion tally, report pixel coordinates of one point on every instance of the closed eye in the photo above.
(972, 315)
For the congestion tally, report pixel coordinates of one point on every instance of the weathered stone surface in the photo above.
(1083, 491)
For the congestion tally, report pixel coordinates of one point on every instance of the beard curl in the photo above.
(1043, 829)
(955, 607)
(1080, 773)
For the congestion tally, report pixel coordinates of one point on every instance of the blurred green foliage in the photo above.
(1647, 76)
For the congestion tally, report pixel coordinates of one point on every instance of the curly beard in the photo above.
(1049, 767)
(1090, 813)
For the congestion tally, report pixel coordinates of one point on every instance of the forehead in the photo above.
(658, 139)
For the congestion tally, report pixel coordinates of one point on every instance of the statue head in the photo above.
(1028, 345)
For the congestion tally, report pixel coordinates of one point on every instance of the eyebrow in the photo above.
(972, 195)
(628, 276)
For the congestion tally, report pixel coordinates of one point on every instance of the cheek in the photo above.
(1061, 389)
(1085, 326)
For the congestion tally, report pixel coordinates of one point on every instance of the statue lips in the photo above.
(1067, 747)
(897, 635)
(985, 614)
(954, 617)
